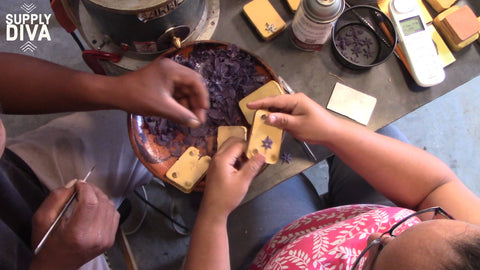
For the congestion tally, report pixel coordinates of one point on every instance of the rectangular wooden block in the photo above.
(264, 139)
(188, 170)
(265, 18)
(448, 34)
(225, 132)
(272, 88)
(441, 5)
(462, 23)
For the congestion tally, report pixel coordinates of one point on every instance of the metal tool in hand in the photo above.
(290, 91)
(57, 219)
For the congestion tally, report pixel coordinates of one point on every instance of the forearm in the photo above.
(209, 247)
(30, 86)
(405, 174)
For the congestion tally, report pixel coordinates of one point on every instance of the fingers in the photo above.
(233, 149)
(283, 103)
(191, 81)
(91, 200)
(283, 121)
(190, 85)
(51, 207)
(180, 114)
(96, 214)
(252, 167)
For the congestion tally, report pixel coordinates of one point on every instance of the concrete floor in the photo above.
(448, 127)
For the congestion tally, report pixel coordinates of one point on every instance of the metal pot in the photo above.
(145, 26)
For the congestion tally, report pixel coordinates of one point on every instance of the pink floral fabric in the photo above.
(329, 239)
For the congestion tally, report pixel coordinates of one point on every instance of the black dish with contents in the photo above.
(363, 37)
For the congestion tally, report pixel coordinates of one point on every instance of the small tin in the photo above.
(313, 23)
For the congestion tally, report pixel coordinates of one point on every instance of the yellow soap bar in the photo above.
(269, 89)
(225, 132)
(293, 5)
(443, 51)
(441, 5)
(265, 18)
(187, 171)
(264, 139)
(425, 14)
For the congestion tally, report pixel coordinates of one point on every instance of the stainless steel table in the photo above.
(316, 73)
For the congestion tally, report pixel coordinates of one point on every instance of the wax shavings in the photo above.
(230, 74)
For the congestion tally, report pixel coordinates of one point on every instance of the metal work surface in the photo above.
(316, 73)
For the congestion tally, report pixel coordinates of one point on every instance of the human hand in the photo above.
(88, 232)
(167, 89)
(299, 115)
(226, 183)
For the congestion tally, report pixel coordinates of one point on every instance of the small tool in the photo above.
(290, 91)
(55, 222)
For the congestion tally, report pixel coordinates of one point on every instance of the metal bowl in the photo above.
(158, 158)
(363, 37)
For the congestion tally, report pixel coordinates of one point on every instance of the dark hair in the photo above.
(468, 251)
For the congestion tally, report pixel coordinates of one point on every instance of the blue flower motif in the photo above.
(267, 143)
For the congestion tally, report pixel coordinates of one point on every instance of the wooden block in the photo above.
(293, 5)
(264, 139)
(269, 89)
(225, 132)
(479, 32)
(462, 23)
(187, 171)
(447, 32)
(265, 18)
(441, 5)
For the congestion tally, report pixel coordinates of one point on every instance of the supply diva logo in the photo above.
(27, 27)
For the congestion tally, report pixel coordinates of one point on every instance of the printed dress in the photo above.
(328, 239)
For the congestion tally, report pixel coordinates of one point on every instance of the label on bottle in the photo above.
(307, 34)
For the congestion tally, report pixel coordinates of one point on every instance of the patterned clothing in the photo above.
(328, 239)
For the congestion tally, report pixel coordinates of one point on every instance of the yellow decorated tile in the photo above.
(188, 170)
(265, 18)
(225, 132)
(272, 88)
(264, 139)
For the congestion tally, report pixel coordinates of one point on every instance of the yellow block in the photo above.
(446, 33)
(187, 171)
(442, 49)
(441, 5)
(265, 18)
(225, 132)
(269, 89)
(293, 5)
(264, 139)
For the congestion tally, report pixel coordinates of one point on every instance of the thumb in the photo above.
(180, 114)
(252, 167)
(282, 121)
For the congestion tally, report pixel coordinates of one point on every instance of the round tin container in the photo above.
(313, 23)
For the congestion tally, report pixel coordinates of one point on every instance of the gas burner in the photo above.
(131, 55)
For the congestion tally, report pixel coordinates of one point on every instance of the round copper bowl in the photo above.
(157, 158)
